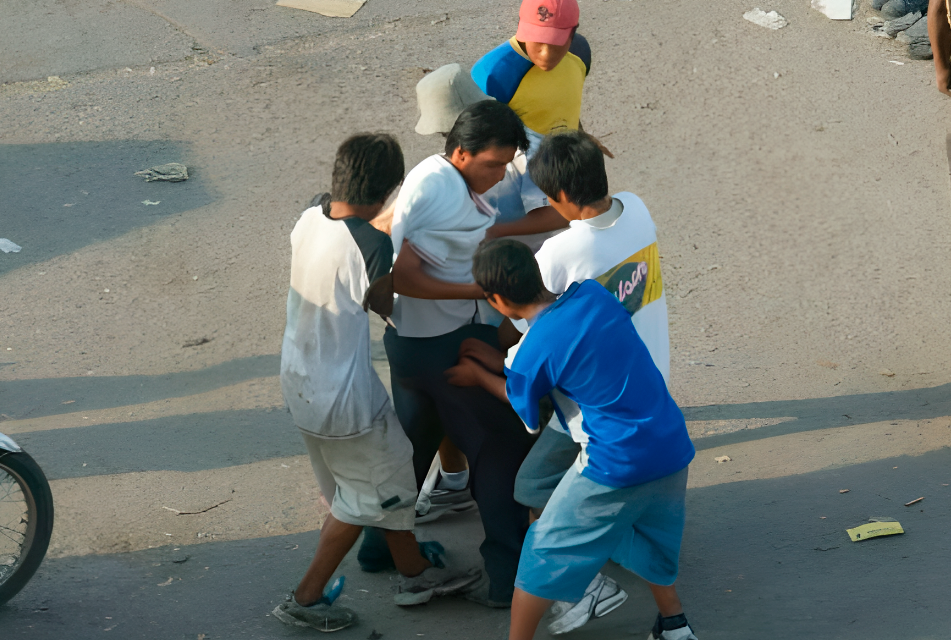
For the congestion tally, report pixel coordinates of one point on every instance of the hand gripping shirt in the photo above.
(546, 101)
(585, 347)
(327, 376)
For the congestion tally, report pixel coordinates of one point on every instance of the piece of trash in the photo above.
(881, 519)
(897, 62)
(826, 548)
(915, 501)
(827, 364)
(68, 402)
(165, 584)
(194, 277)
(70, 204)
(152, 71)
(771, 20)
(329, 8)
(197, 342)
(887, 374)
(722, 459)
(374, 635)
(822, 517)
(195, 513)
(8, 245)
(444, 18)
(874, 530)
(834, 9)
(171, 172)
(843, 490)
(149, 203)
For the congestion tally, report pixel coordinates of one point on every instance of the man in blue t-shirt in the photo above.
(624, 498)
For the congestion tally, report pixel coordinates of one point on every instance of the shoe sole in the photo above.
(286, 618)
(437, 511)
(409, 599)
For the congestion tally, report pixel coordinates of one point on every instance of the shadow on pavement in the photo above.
(44, 397)
(190, 442)
(824, 413)
(60, 197)
(757, 562)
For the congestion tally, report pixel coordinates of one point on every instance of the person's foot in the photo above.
(443, 501)
(601, 597)
(479, 593)
(434, 582)
(323, 617)
(672, 628)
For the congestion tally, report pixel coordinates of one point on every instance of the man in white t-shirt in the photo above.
(612, 240)
(439, 219)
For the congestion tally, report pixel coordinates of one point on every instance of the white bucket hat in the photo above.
(442, 95)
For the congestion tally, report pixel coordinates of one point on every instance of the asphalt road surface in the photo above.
(799, 181)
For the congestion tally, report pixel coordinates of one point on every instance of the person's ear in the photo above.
(562, 197)
(459, 156)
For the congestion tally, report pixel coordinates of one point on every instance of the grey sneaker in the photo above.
(434, 582)
(323, 617)
(601, 597)
(479, 593)
(442, 502)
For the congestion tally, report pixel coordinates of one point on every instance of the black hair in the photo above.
(486, 124)
(507, 267)
(367, 168)
(573, 163)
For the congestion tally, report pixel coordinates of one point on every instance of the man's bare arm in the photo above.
(539, 220)
(939, 32)
(509, 336)
(410, 280)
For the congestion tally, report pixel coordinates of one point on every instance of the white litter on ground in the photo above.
(771, 20)
(331, 8)
(834, 9)
(8, 246)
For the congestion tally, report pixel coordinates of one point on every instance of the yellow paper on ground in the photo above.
(874, 530)
(331, 8)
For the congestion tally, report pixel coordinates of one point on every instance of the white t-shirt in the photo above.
(327, 375)
(438, 214)
(620, 252)
(618, 249)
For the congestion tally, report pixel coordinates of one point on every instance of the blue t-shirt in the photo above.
(585, 346)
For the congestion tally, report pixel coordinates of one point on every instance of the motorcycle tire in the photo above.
(39, 500)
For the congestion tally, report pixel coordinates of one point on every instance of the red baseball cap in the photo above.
(547, 21)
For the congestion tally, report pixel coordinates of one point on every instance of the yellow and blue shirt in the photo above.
(546, 101)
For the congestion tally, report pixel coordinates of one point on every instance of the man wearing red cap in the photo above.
(541, 71)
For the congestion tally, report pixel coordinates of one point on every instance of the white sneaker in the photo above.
(601, 597)
(680, 633)
(434, 582)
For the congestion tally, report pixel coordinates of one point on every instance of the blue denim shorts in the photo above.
(585, 524)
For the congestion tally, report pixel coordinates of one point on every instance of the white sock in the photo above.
(453, 481)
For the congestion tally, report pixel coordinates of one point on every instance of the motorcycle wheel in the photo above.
(26, 521)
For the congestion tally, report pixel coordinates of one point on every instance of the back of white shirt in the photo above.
(437, 215)
(624, 258)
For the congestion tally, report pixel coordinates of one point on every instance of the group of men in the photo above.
(528, 349)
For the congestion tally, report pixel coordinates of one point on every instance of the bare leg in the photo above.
(405, 552)
(336, 539)
(939, 32)
(451, 459)
(527, 612)
(668, 602)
